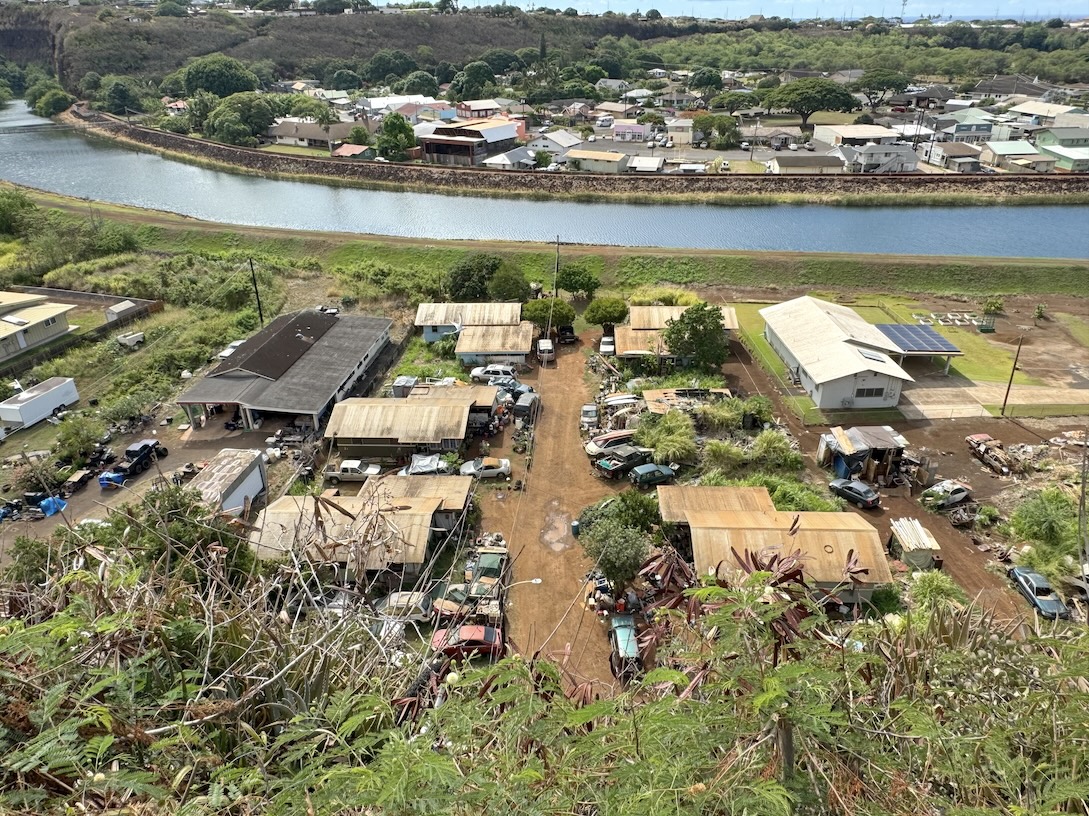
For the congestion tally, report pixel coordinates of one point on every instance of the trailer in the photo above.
(39, 402)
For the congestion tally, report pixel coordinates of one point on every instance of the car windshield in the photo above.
(1043, 591)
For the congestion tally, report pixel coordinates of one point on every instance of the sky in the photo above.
(805, 9)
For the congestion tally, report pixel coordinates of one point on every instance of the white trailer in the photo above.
(231, 480)
(38, 402)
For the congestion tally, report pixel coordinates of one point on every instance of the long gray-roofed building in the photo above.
(299, 365)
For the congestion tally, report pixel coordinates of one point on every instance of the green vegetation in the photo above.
(423, 359)
(698, 335)
(932, 589)
(1047, 521)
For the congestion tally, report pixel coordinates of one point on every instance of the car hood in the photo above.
(1052, 607)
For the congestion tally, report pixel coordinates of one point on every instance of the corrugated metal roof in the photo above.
(826, 338)
(647, 341)
(399, 420)
(374, 536)
(222, 472)
(594, 155)
(824, 540)
(675, 501)
(452, 491)
(481, 396)
(653, 317)
(468, 314)
(496, 339)
(913, 536)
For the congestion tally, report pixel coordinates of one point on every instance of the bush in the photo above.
(772, 450)
(671, 435)
(933, 590)
(659, 295)
(993, 305)
(724, 415)
(617, 550)
(723, 457)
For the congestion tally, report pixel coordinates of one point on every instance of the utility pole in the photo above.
(1013, 371)
(257, 294)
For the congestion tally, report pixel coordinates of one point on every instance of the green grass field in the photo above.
(1077, 326)
(309, 152)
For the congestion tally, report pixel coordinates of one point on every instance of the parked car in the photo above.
(588, 418)
(468, 641)
(486, 467)
(946, 494)
(793, 146)
(600, 445)
(490, 566)
(1039, 593)
(527, 407)
(745, 145)
(546, 352)
(860, 494)
(414, 606)
(231, 349)
(426, 465)
(649, 475)
(607, 347)
(621, 459)
(484, 373)
(624, 659)
(810, 146)
(567, 335)
(350, 470)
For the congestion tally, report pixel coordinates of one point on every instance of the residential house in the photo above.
(521, 158)
(578, 113)
(797, 164)
(297, 132)
(231, 480)
(362, 534)
(846, 76)
(1016, 156)
(479, 345)
(555, 142)
(1043, 113)
(453, 492)
(680, 131)
(28, 321)
(637, 95)
(913, 131)
(617, 110)
(716, 525)
(854, 134)
(680, 75)
(354, 151)
(642, 335)
(657, 73)
(969, 125)
(468, 144)
(960, 157)
(386, 429)
(376, 105)
(629, 130)
(616, 86)
(838, 358)
(646, 164)
(477, 108)
(1013, 131)
(1002, 87)
(877, 158)
(781, 137)
(933, 98)
(1063, 137)
(483, 399)
(436, 320)
(676, 99)
(178, 107)
(1068, 159)
(298, 366)
(416, 112)
(597, 161)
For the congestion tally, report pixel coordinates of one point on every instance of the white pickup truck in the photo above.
(350, 470)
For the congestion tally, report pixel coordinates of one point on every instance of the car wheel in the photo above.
(860, 505)
(162, 453)
(334, 480)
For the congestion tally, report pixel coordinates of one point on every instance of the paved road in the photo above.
(551, 616)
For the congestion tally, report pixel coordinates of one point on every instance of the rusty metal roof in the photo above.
(453, 491)
(399, 420)
(481, 396)
(468, 314)
(676, 501)
(824, 540)
(649, 318)
(496, 339)
(374, 535)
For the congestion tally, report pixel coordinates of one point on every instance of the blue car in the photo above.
(1039, 593)
(624, 659)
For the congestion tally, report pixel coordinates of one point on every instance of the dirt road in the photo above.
(551, 616)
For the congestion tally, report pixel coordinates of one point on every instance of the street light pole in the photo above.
(752, 144)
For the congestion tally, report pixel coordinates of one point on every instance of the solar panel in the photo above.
(917, 339)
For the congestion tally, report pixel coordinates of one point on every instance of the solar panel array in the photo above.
(917, 338)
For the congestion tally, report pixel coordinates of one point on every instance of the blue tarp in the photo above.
(52, 506)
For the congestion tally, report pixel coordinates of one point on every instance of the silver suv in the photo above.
(485, 373)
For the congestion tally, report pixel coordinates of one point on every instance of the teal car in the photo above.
(624, 659)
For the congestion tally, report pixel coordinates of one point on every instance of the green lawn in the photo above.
(310, 152)
(420, 360)
(1077, 326)
(1043, 410)
(744, 166)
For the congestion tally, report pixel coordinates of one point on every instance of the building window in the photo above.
(50, 321)
(869, 393)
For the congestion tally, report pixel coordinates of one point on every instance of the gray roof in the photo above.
(808, 160)
(338, 131)
(319, 365)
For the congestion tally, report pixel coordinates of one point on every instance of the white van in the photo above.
(546, 352)
(600, 445)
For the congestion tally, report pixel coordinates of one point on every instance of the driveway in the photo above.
(551, 616)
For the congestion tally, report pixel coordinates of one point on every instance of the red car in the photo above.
(468, 641)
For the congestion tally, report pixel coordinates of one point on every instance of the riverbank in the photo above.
(726, 189)
(621, 269)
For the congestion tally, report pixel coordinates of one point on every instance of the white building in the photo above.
(837, 357)
(854, 134)
(556, 142)
(680, 131)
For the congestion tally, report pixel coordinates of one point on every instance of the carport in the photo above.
(919, 341)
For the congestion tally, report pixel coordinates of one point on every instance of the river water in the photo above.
(63, 161)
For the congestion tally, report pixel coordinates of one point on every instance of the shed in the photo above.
(495, 344)
(384, 429)
(915, 545)
(231, 480)
(676, 501)
(454, 493)
(440, 319)
(120, 311)
(873, 453)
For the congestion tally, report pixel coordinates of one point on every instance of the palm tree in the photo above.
(327, 117)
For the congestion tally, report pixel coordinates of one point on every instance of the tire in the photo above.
(860, 505)
(162, 453)
(334, 480)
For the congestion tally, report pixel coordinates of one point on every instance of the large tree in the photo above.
(605, 310)
(878, 83)
(509, 284)
(545, 312)
(467, 280)
(471, 82)
(699, 334)
(578, 279)
(734, 101)
(220, 74)
(420, 82)
(807, 96)
(395, 137)
(705, 81)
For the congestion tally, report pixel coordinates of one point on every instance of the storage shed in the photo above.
(231, 480)
(495, 344)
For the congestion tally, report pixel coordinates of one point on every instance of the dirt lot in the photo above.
(551, 616)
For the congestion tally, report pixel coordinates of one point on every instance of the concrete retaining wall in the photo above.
(568, 184)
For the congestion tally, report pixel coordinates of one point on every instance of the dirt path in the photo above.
(551, 616)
